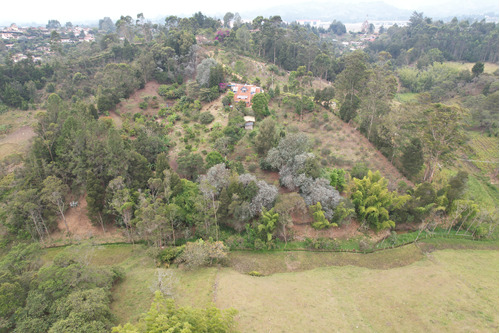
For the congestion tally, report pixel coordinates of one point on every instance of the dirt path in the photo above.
(81, 228)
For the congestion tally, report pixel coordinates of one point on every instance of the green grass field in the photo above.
(489, 68)
(447, 291)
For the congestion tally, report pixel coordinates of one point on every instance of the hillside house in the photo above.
(244, 92)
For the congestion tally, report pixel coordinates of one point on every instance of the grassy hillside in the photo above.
(15, 132)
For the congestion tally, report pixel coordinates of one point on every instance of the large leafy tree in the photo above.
(267, 137)
(190, 164)
(352, 79)
(441, 133)
(374, 202)
(260, 103)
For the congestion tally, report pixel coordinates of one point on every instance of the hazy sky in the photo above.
(40, 11)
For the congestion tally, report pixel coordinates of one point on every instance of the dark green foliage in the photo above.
(65, 296)
(93, 111)
(190, 164)
(161, 164)
(312, 168)
(423, 201)
(138, 170)
(337, 28)
(348, 109)
(95, 197)
(105, 103)
(206, 118)
(149, 144)
(267, 136)
(412, 158)
(17, 269)
(209, 94)
(213, 158)
(457, 186)
(20, 80)
(343, 212)
(459, 41)
(165, 314)
(169, 254)
(260, 107)
(216, 76)
(359, 170)
(478, 68)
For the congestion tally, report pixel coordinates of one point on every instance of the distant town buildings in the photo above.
(40, 37)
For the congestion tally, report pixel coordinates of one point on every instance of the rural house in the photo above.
(244, 92)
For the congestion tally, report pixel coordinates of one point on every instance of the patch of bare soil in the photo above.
(117, 120)
(17, 141)
(349, 146)
(81, 228)
(305, 230)
(131, 104)
(217, 110)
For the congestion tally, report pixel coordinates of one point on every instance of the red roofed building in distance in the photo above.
(244, 92)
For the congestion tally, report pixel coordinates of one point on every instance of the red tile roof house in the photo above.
(244, 92)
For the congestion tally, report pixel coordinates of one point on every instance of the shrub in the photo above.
(322, 244)
(201, 253)
(359, 170)
(259, 245)
(169, 254)
(252, 167)
(143, 105)
(265, 165)
(235, 242)
(365, 246)
(206, 118)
